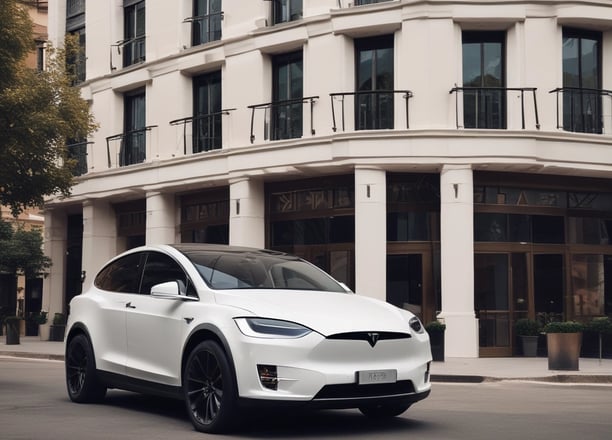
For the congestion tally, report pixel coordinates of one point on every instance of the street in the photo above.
(34, 405)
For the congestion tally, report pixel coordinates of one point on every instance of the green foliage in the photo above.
(40, 317)
(527, 327)
(39, 113)
(59, 319)
(563, 327)
(21, 251)
(600, 325)
(435, 326)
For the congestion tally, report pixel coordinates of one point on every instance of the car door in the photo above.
(157, 327)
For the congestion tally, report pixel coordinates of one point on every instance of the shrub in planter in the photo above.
(601, 326)
(58, 327)
(563, 340)
(529, 331)
(436, 330)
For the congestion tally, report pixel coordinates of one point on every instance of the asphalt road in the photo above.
(34, 405)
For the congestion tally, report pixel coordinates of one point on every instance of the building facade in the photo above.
(451, 157)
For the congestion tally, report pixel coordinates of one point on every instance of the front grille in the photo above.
(367, 336)
(355, 391)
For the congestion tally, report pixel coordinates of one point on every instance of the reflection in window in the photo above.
(287, 94)
(410, 226)
(588, 282)
(589, 230)
(286, 10)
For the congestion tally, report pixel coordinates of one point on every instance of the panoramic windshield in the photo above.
(261, 271)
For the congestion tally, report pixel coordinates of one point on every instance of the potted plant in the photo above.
(602, 326)
(40, 318)
(436, 330)
(58, 327)
(563, 339)
(529, 331)
(12, 329)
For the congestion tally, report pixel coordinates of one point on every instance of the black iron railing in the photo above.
(133, 51)
(78, 152)
(205, 28)
(132, 147)
(206, 131)
(582, 109)
(486, 106)
(373, 109)
(283, 119)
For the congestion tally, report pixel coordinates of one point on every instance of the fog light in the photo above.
(268, 376)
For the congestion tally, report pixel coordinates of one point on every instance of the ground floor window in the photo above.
(205, 217)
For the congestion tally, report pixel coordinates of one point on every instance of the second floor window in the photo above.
(133, 145)
(75, 25)
(134, 32)
(286, 10)
(287, 94)
(374, 71)
(207, 112)
(484, 97)
(206, 21)
(582, 81)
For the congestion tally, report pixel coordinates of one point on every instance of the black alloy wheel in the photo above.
(209, 389)
(81, 379)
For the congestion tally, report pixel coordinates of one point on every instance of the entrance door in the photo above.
(548, 275)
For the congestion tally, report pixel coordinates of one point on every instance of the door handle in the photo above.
(130, 306)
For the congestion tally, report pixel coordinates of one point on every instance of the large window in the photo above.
(582, 81)
(287, 94)
(75, 25)
(207, 112)
(286, 10)
(206, 21)
(374, 70)
(484, 100)
(134, 32)
(133, 146)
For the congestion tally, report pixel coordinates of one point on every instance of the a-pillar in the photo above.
(457, 261)
(370, 232)
(99, 237)
(247, 222)
(161, 218)
(54, 248)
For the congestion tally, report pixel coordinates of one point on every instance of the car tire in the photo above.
(209, 389)
(383, 410)
(81, 379)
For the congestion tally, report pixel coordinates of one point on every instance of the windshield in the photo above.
(261, 271)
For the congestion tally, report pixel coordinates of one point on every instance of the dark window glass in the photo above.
(589, 230)
(368, 2)
(160, 268)
(608, 284)
(206, 21)
(582, 81)
(483, 68)
(490, 227)
(342, 229)
(405, 281)
(548, 229)
(214, 234)
(134, 34)
(408, 226)
(338, 229)
(548, 285)
(207, 133)
(374, 70)
(287, 94)
(122, 275)
(133, 147)
(286, 10)
(519, 228)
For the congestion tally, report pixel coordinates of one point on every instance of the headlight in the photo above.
(271, 328)
(416, 325)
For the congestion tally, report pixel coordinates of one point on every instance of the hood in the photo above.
(327, 313)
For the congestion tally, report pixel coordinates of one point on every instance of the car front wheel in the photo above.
(81, 379)
(209, 389)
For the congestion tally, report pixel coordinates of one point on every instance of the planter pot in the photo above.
(530, 345)
(563, 351)
(57, 332)
(44, 331)
(12, 332)
(436, 339)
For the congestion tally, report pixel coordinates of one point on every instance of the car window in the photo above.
(122, 275)
(161, 268)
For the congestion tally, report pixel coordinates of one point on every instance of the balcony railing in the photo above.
(78, 152)
(487, 106)
(206, 131)
(583, 109)
(205, 28)
(133, 51)
(132, 147)
(283, 119)
(373, 109)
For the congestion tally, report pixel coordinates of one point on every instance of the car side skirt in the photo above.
(113, 380)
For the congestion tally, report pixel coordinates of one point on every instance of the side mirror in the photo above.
(171, 290)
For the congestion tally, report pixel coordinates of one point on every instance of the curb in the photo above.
(19, 354)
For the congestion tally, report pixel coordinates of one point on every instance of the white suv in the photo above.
(224, 327)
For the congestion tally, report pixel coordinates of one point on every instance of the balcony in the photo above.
(78, 152)
(485, 107)
(205, 28)
(133, 50)
(205, 131)
(582, 110)
(282, 119)
(373, 109)
(128, 148)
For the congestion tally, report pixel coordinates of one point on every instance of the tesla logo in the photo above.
(373, 339)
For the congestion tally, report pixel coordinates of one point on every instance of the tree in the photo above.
(39, 113)
(21, 251)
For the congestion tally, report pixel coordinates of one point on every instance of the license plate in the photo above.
(376, 376)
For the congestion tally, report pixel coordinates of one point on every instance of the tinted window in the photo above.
(161, 268)
(122, 275)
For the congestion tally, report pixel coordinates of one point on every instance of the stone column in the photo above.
(457, 260)
(54, 248)
(99, 237)
(247, 218)
(161, 218)
(371, 232)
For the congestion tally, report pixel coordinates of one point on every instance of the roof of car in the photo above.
(187, 248)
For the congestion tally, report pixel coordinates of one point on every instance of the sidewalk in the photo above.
(452, 370)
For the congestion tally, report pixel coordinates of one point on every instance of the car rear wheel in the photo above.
(384, 410)
(209, 389)
(81, 379)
